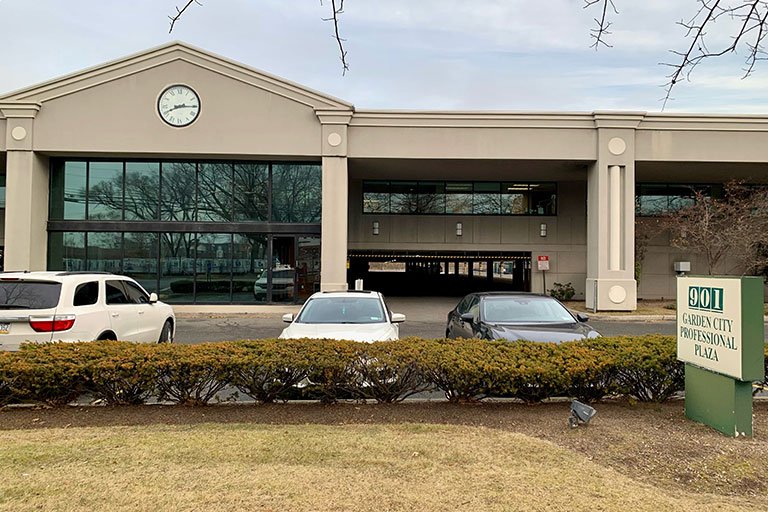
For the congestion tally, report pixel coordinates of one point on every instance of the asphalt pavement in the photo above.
(425, 318)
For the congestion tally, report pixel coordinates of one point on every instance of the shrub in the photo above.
(266, 370)
(193, 374)
(120, 373)
(467, 370)
(588, 368)
(332, 369)
(389, 371)
(647, 366)
(562, 291)
(6, 392)
(536, 374)
(51, 373)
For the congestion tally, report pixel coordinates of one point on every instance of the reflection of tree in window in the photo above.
(179, 200)
(251, 187)
(214, 182)
(514, 198)
(375, 197)
(486, 198)
(142, 185)
(431, 197)
(458, 198)
(404, 197)
(296, 193)
(105, 191)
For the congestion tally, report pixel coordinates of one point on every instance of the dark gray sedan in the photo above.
(516, 316)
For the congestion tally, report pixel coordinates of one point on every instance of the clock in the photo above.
(178, 105)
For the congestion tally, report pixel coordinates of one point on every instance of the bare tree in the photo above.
(744, 20)
(734, 225)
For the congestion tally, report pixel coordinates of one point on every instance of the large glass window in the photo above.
(105, 191)
(296, 193)
(654, 199)
(376, 197)
(404, 197)
(178, 193)
(251, 192)
(142, 183)
(189, 261)
(105, 252)
(214, 268)
(486, 198)
(459, 198)
(68, 186)
(140, 258)
(214, 188)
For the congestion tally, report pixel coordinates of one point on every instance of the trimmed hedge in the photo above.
(120, 373)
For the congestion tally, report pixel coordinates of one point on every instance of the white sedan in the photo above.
(354, 315)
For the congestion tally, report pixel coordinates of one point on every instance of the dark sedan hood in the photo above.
(541, 332)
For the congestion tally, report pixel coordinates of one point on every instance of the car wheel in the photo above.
(166, 333)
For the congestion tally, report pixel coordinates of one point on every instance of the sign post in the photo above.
(720, 338)
(543, 262)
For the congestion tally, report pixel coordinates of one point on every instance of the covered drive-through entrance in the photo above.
(439, 273)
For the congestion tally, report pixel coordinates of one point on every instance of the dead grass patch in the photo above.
(376, 467)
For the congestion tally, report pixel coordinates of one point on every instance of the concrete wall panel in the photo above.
(120, 116)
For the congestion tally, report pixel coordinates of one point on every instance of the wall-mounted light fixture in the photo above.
(375, 226)
(543, 229)
(459, 229)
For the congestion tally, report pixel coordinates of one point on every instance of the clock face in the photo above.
(178, 105)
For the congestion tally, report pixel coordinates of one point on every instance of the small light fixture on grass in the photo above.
(580, 413)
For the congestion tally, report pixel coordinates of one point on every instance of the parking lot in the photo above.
(426, 317)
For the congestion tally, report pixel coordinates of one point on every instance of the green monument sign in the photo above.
(720, 338)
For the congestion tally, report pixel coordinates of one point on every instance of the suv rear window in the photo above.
(29, 294)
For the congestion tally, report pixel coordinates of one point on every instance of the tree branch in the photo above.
(179, 12)
(601, 31)
(337, 8)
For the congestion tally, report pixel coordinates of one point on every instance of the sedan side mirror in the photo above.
(398, 318)
(288, 318)
(468, 317)
(581, 317)
(152, 298)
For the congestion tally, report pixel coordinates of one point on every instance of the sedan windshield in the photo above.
(342, 310)
(524, 310)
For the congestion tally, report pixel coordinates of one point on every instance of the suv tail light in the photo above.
(51, 323)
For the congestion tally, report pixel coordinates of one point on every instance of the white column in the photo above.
(611, 281)
(26, 211)
(333, 249)
(26, 195)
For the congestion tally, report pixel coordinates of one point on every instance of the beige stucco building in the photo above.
(262, 177)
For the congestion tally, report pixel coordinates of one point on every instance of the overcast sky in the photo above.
(403, 54)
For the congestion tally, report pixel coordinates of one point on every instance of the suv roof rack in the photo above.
(82, 272)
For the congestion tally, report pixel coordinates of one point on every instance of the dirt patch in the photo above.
(654, 443)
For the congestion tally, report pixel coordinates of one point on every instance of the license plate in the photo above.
(4, 328)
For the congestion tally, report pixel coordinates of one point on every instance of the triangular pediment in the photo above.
(165, 54)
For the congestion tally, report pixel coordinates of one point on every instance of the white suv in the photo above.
(76, 306)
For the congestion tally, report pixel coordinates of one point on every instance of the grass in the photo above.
(232, 467)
